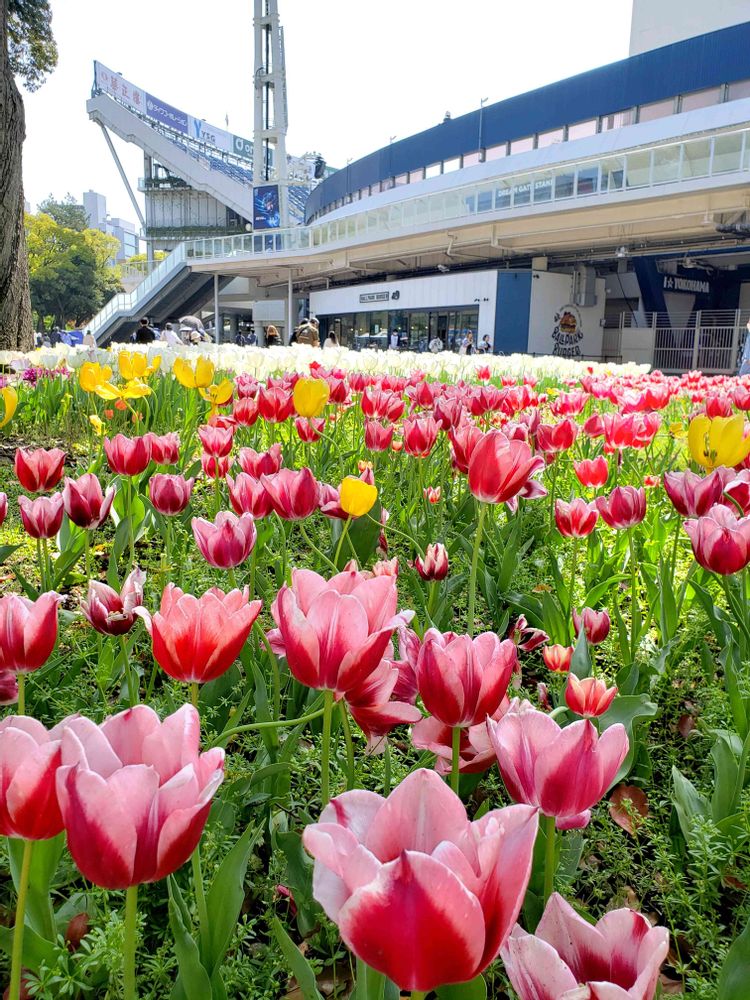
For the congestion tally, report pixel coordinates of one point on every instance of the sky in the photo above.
(358, 73)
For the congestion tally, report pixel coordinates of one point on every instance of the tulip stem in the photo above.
(432, 600)
(573, 568)
(200, 894)
(418, 995)
(344, 533)
(14, 991)
(128, 671)
(634, 612)
(315, 549)
(128, 945)
(258, 726)
(194, 694)
(275, 675)
(87, 553)
(131, 528)
(550, 845)
(474, 565)
(351, 781)
(456, 764)
(325, 760)
(387, 768)
(217, 491)
(47, 563)
(21, 678)
(42, 567)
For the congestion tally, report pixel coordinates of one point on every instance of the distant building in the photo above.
(124, 232)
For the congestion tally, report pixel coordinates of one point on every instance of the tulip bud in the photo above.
(3, 507)
(257, 464)
(39, 471)
(165, 448)
(432, 494)
(226, 541)
(596, 625)
(109, 612)
(310, 396)
(84, 502)
(76, 931)
(588, 697)
(357, 497)
(557, 658)
(434, 566)
(216, 441)
(576, 519)
(213, 467)
(169, 494)
(543, 695)
(43, 516)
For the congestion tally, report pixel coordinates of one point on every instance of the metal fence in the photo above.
(708, 341)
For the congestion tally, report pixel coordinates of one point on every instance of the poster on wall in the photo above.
(266, 213)
(567, 333)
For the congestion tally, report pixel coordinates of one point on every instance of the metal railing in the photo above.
(710, 341)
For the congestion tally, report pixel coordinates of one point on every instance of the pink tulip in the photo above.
(557, 658)
(592, 471)
(109, 612)
(596, 625)
(226, 541)
(720, 540)
(623, 508)
(275, 404)
(501, 470)
(376, 705)
(525, 637)
(420, 435)
(3, 507)
(576, 519)
(248, 496)
(464, 438)
(41, 517)
(334, 633)
(476, 753)
(40, 470)
(29, 759)
(135, 794)
(28, 631)
(257, 464)
(617, 958)
(165, 448)
(435, 565)
(691, 495)
(294, 494)
(128, 456)
(245, 411)
(463, 680)
(84, 502)
(413, 862)
(216, 441)
(169, 494)
(8, 687)
(197, 639)
(213, 467)
(378, 437)
(538, 759)
(736, 491)
(309, 430)
(588, 697)
(552, 438)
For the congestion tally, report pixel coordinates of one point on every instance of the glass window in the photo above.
(433, 170)
(727, 152)
(543, 187)
(471, 159)
(582, 129)
(402, 179)
(470, 203)
(522, 191)
(550, 138)
(416, 175)
(418, 327)
(638, 169)
(658, 109)
(502, 195)
(612, 169)
(696, 158)
(564, 181)
(496, 152)
(587, 181)
(522, 145)
(450, 165)
(484, 201)
(700, 99)
(618, 120)
(666, 164)
(739, 90)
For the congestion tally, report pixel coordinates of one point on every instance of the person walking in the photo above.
(169, 335)
(467, 344)
(485, 347)
(331, 340)
(144, 334)
(89, 339)
(394, 340)
(272, 336)
(435, 345)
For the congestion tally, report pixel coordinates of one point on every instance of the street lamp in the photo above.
(482, 103)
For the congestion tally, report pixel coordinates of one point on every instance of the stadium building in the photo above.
(605, 216)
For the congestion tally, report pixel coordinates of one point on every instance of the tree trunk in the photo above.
(15, 303)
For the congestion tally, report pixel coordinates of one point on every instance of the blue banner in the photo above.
(166, 114)
(266, 214)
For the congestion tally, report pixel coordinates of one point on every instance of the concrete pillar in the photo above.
(234, 327)
(218, 321)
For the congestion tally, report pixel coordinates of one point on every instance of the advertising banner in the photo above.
(118, 87)
(266, 214)
(166, 114)
(201, 131)
(242, 147)
(298, 195)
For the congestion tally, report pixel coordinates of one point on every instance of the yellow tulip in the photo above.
(10, 404)
(718, 441)
(91, 374)
(677, 430)
(356, 497)
(311, 396)
(217, 395)
(134, 365)
(199, 377)
(97, 423)
(134, 389)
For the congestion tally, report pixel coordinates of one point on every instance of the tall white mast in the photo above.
(270, 119)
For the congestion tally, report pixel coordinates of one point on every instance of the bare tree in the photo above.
(27, 50)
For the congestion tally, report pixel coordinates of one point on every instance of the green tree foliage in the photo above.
(66, 212)
(70, 271)
(31, 46)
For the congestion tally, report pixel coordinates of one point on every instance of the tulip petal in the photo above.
(535, 969)
(582, 947)
(440, 924)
